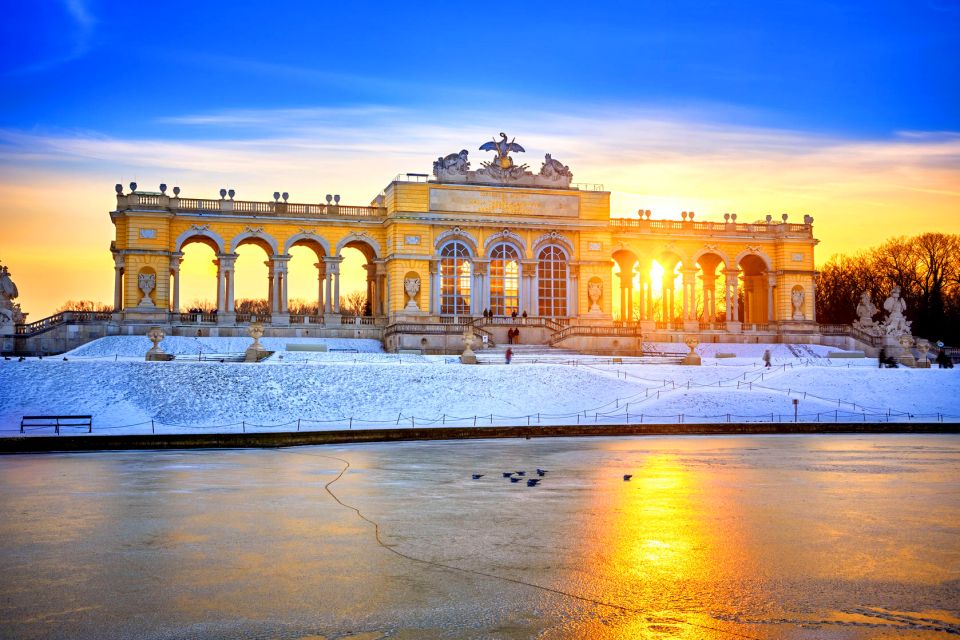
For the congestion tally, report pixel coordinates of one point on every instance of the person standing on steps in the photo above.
(508, 355)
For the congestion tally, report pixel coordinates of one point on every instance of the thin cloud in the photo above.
(81, 36)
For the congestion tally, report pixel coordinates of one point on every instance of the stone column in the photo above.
(771, 283)
(730, 280)
(482, 269)
(709, 286)
(689, 294)
(333, 283)
(666, 305)
(117, 283)
(529, 301)
(321, 279)
(573, 291)
(371, 270)
(434, 287)
(216, 263)
(271, 287)
(225, 302)
(175, 260)
(381, 276)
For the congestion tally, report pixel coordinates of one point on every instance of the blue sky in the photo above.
(126, 68)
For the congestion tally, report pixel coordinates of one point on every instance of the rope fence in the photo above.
(621, 410)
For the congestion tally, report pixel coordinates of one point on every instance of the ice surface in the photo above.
(828, 537)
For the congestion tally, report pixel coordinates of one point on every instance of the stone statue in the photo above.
(896, 324)
(10, 313)
(412, 287)
(796, 297)
(865, 312)
(594, 291)
(555, 170)
(502, 167)
(147, 283)
(455, 164)
(503, 149)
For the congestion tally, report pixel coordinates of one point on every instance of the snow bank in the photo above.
(329, 390)
(137, 346)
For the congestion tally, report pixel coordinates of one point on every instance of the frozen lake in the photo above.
(720, 537)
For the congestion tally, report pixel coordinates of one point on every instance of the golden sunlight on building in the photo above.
(465, 247)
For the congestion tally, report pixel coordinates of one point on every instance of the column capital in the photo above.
(281, 257)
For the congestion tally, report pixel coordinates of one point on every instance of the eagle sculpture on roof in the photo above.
(503, 149)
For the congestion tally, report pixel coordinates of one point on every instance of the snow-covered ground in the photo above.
(356, 385)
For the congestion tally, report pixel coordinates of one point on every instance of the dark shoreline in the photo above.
(52, 444)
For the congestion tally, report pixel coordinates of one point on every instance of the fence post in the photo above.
(243, 425)
(412, 422)
(298, 424)
(350, 425)
(152, 430)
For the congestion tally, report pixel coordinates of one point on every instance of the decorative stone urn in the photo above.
(906, 358)
(692, 359)
(468, 356)
(412, 287)
(147, 283)
(156, 336)
(256, 350)
(923, 346)
(594, 291)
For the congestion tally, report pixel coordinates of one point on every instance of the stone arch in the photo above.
(256, 236)
(554, 238)
(705, 251)
(753, 251)
(457, 234)
(308, 238)
(505, 236)
(362, 242)
(203, 234)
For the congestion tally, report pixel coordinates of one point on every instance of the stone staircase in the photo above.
(542, 354)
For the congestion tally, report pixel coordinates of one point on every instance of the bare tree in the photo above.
(354, 304)
(84, 305)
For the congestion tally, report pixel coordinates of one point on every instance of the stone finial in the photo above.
(176, 192)
(223, 193)
(784, 217)
(286, 196)
(163, 188)
(276, 196)
(133, 187)
(231, 193)
(769, 218)
(118, 188)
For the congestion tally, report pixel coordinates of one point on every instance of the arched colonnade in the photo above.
(748, 278)
(278, 259)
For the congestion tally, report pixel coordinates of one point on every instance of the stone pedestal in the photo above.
(226, 318)
(256, 351)
(468, 356)
(156, 354)
(692, 359)
(734, 327)
(280, 320)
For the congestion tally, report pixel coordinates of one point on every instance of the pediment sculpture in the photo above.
(501, 170)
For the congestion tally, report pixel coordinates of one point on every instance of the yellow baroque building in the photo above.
(495, 248)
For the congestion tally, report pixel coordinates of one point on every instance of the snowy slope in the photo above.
(375, 389)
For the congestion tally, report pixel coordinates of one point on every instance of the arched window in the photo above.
(552, 282)
(504, 280)
(455, 274)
